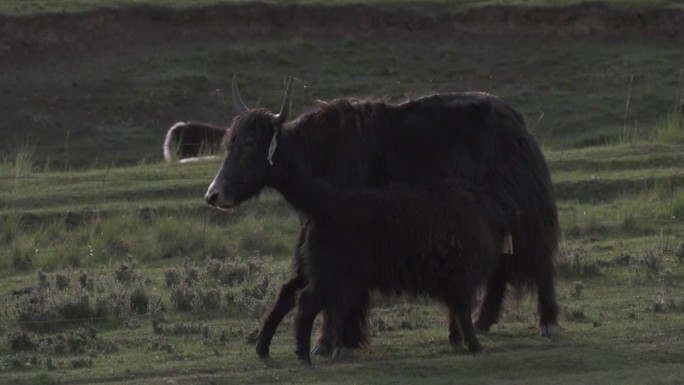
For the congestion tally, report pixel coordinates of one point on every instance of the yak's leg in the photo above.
(534, 264)
(455, 334)
(326, 337)
(283, 304)
(340, 320)
(352, 328)
(308, 306)
(547, 305)
(488, 313)
(285, 301)
(463, 307)
(541, 272)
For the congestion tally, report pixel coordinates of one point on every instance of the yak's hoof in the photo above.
(321, 350)
(304, 362)
(481, 327)
(475, 348)
(262, 351)
(342, 354)
(549, 330)
(455, 339)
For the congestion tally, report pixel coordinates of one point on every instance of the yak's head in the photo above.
(249, 144)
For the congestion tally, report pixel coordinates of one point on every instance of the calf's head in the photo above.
(249, 145)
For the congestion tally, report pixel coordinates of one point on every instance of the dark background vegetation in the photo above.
(104, 86)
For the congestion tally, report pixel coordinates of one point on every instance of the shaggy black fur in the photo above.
(440, 242)
(472, 137)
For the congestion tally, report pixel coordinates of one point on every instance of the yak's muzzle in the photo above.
(215, 197)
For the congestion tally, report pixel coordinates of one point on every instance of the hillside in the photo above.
(101, 86)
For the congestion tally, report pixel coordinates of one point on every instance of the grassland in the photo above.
(128, 277)
(621, 283)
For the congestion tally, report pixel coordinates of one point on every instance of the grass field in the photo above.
(129, 277)
(621, 285)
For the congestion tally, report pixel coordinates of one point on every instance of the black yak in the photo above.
(357, 143)
(189, 140)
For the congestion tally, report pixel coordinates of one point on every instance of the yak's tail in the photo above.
(168, 142)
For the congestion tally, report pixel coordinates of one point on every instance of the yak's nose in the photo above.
(211, 197)
(217, 197)
(214, 197)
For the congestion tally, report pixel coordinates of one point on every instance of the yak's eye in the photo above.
(249, 142)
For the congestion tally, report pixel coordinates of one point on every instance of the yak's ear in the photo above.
(287, 103)
(239, 105)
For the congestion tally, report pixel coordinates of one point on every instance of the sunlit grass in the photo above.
(604, 302)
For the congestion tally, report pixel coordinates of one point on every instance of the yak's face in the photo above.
(245, 169)
(249, 146)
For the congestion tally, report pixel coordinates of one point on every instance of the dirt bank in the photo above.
(20, 37)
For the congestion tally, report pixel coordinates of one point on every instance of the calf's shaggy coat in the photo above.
(440, 242)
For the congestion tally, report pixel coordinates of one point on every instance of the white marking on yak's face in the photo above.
(272, 147)
(507, 245)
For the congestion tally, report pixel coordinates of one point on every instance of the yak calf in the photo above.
(441, 243)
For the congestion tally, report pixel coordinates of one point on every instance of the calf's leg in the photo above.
(283, 304)
(461, 306)
(488, 313)
(308, 306)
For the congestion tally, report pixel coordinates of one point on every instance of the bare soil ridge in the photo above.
(49, 32)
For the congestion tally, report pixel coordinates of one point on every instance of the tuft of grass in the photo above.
(574, 260)
(21, 340)
(632, 224)
(263, 235)
(671, 127)
(677, 204)
(178, 236)
(650, 266)
(679, 252)
(666, 303)
(11, 227)
(245, 286)
(20, 163)
(57, 305)
(653, 261)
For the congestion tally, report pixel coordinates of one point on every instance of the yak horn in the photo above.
(240, 106)
(287, 103)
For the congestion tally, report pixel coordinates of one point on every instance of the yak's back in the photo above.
(373, 143)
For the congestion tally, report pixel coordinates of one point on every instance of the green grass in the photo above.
(622, 323)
